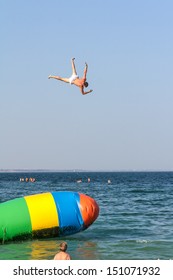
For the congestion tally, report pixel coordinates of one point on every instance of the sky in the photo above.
(126, 123)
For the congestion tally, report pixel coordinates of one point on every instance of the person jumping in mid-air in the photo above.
(74, 79)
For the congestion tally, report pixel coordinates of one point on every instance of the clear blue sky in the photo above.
(126, 123)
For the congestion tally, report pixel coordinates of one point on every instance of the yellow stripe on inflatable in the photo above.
(43, 212)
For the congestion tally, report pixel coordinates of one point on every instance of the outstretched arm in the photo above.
(84, 77)
(85, 92)
(85, 71)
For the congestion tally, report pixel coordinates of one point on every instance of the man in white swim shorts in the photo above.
(74, 79)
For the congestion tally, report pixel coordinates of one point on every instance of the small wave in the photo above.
(143, 241)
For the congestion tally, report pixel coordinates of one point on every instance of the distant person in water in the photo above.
(74, 79)
(62, 255)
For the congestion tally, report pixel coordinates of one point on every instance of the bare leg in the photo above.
(66, 80)
(73, 66)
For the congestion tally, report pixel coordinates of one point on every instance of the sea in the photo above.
(135, 220)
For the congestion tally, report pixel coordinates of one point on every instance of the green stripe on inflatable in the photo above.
(14, 220)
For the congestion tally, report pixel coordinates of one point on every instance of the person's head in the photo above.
(63, 246)
(86, 84)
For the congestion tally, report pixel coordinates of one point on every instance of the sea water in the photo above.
(135, 219)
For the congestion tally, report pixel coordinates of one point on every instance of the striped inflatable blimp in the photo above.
(46, 215)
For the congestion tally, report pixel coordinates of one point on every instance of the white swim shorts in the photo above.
(72, 78)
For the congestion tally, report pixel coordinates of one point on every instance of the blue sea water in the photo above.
(135, 220)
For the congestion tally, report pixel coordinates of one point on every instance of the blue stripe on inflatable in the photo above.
(70, 218)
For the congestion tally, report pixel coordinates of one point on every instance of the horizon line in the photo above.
(80, 170)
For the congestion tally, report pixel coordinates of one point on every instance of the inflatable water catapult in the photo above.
(46, 215)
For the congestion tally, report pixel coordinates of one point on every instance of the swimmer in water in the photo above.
(62, 255)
